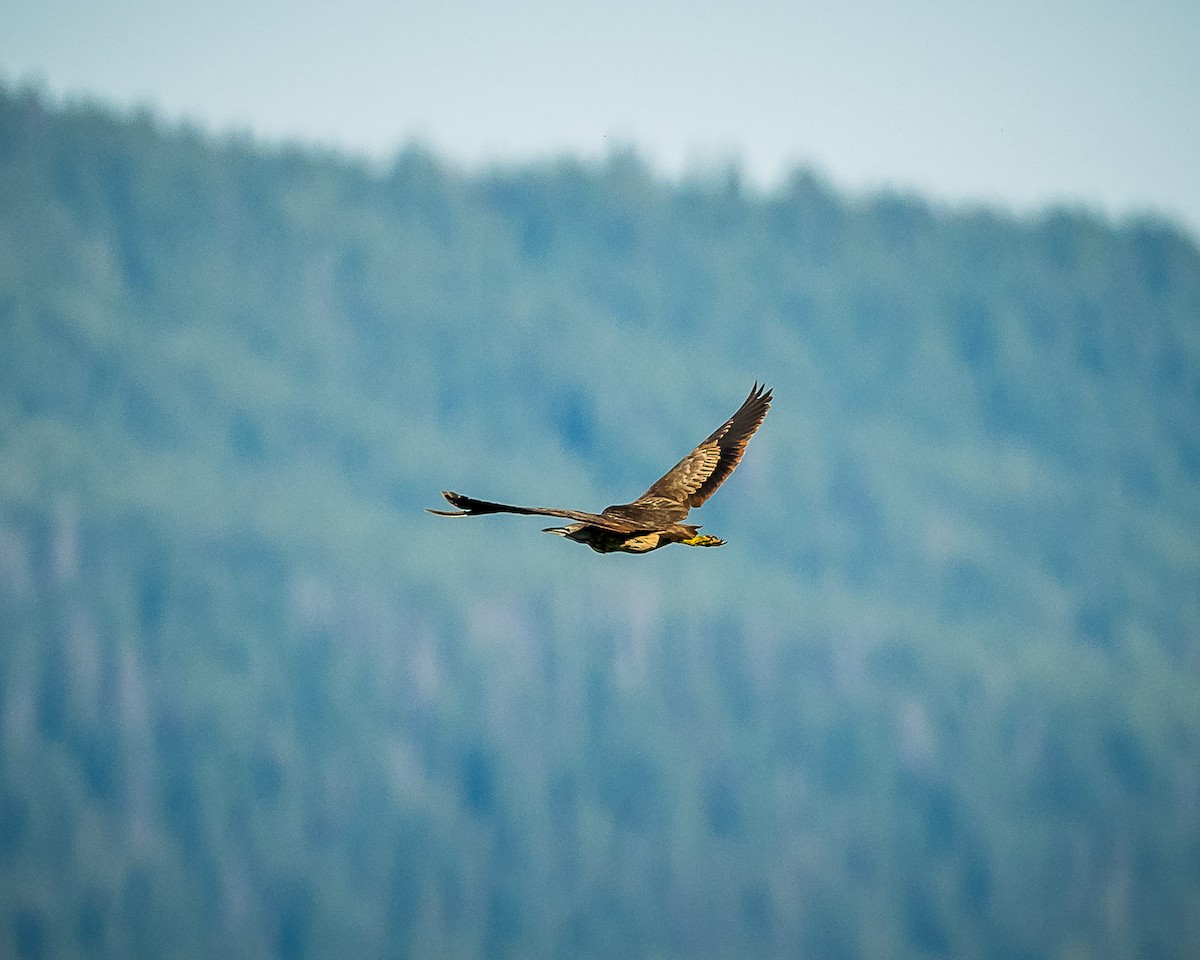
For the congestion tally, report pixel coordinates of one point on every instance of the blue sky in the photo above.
(1023, 103)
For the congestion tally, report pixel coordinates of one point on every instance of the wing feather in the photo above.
(697, 476)
(470, 507)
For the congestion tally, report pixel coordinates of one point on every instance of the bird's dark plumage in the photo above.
(653, 519)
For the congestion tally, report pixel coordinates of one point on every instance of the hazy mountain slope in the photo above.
(936, 697)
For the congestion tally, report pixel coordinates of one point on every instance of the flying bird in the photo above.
(653, 519)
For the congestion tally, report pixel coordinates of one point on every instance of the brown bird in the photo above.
(653, 519)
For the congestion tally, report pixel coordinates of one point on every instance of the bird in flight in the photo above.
(653, 519)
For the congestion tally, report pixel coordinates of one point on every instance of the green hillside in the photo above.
(937, 697)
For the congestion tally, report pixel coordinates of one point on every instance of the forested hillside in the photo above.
(937, 697)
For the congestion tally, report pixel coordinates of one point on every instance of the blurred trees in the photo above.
(936, 697)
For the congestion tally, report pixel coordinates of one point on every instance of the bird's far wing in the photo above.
(696, 477)
(470, 507)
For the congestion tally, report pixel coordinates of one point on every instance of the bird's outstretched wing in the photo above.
(470, 507)
(696, 477)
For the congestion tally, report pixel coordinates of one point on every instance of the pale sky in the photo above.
(1024, 102)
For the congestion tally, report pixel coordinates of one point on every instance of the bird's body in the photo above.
(653, 519)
